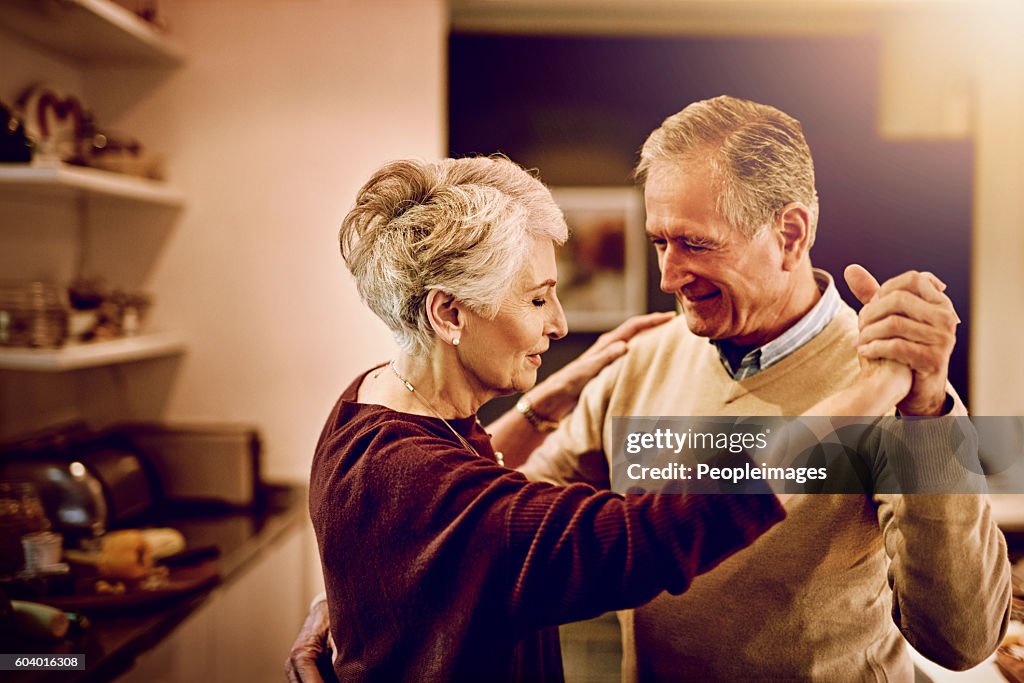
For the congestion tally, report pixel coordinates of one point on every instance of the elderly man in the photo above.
(832, 592)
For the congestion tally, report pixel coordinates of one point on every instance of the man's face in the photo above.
(729, 287)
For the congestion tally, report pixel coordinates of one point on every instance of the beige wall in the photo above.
(281, 113)
(997, 364)
(282, 110)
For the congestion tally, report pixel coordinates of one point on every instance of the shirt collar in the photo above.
(803, 331)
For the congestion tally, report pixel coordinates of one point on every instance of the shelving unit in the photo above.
(60, 181)
(89, 31)
(93, 354)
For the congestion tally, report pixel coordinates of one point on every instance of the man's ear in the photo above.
(793, 223)
(444, 312)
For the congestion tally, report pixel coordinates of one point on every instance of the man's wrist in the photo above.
(934, 409)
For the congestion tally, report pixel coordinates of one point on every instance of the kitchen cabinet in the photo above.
(244, 629)
(86, 33)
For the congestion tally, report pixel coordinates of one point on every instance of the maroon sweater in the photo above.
(444, 566)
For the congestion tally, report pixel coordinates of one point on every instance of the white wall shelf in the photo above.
(62, 181)
(89, 31)
(93, 354)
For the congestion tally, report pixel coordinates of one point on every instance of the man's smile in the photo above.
(697, 296)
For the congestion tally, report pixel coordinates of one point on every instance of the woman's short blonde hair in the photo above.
(462, 226)
(757, 154)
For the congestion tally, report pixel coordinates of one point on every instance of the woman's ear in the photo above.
(794, 223)
(444, 312)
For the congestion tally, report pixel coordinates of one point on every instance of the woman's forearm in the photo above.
(875, 392)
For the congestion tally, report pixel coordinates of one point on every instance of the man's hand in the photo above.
(908, 320)
(310, 658)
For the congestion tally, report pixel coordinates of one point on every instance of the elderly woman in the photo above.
(440, 563)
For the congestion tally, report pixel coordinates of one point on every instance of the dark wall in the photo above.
(579, 108)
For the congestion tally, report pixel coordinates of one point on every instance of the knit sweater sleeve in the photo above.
(551, 554)
(575, 552)
(949, 572)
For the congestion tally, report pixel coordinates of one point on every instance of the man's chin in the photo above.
(702, 327)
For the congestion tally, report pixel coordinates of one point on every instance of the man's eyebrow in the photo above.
(684, 237)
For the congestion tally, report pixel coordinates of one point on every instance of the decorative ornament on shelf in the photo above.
(62, 130)
(53, 122)
(100, 313)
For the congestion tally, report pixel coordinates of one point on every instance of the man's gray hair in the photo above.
(757, 155)
(462, 226)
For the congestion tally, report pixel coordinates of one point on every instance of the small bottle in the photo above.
(130, 321)
(21, 512)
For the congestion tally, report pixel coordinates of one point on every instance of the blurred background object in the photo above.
(32, 314)
(14, 143)
(21, 513)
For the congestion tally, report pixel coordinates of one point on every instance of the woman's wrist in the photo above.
(551, 400)
(537, 420)
(884, 384)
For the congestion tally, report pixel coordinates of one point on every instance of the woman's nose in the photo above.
(557, 326)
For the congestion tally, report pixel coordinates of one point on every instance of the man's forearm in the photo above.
(950, 576)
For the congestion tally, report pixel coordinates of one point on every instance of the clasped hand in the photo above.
(910, 321)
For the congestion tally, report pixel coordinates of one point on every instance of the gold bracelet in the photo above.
(540, 423)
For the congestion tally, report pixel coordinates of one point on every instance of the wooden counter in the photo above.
(127, 647)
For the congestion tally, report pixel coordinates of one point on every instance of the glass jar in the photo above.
(33, 314)
(21, 512)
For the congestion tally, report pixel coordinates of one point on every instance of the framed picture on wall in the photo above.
(602, 276)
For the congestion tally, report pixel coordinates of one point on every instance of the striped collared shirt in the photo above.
(806, 329)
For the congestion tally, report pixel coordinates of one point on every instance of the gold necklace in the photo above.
(412, 390)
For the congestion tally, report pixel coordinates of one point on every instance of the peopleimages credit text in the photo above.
(800, 475)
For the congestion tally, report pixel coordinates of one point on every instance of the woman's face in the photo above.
(502, 355)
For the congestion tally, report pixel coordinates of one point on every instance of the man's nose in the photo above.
(675, 270)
